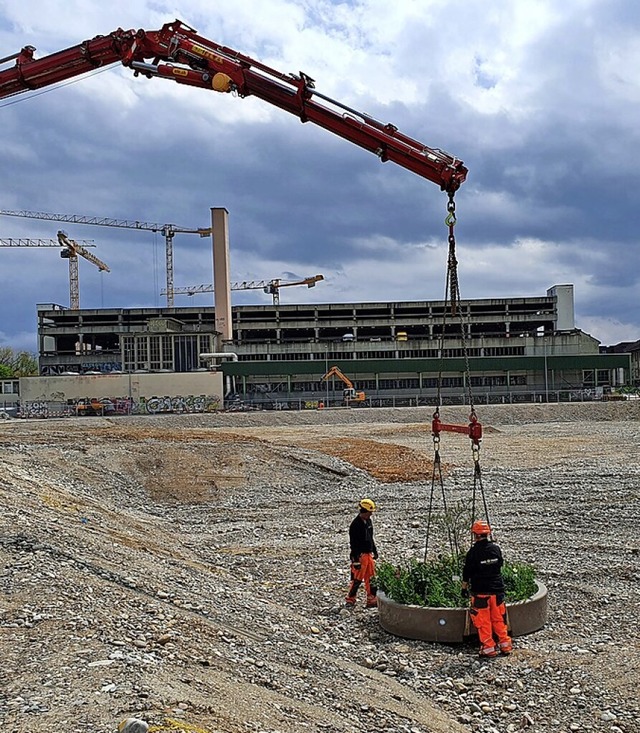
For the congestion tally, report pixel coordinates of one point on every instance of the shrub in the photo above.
(436, 583)
(519, 581)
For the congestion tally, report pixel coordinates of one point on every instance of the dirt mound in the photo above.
(385, 462)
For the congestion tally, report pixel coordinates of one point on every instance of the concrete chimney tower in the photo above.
(221, 274)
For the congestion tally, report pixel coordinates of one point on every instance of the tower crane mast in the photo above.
(168, 231)
(272, 287)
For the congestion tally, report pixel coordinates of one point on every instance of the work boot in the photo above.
(350, 602)
(489, 651)
(371, 603)
(506, 647)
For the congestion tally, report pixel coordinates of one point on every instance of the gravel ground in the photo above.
(191, 570)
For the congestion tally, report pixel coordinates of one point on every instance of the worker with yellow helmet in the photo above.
(363, 554)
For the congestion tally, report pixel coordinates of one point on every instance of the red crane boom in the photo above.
(177, 52)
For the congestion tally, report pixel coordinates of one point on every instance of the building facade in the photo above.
(522, 348)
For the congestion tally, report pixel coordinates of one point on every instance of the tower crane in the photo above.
(168, 231)
(272, 287)
(69, 249)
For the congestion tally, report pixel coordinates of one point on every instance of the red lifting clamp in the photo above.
(473, 429)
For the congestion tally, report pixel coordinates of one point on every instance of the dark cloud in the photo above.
(547, 138)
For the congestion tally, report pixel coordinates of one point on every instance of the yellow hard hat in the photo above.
(368, 505)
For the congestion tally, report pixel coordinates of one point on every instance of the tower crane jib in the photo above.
(272, 287)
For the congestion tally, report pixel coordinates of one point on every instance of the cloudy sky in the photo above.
(540, 99)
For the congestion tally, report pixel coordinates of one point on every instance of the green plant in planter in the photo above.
(436, 583)
(519, 581)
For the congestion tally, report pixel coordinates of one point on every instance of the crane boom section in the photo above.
(196, 61)
(38, 243)
(269, 286)
(208, 288)
(310, 282)
(164, 229)
(76, 249)
(335, 372)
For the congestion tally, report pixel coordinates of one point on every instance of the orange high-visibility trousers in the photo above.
(362, 572)
(489, 616)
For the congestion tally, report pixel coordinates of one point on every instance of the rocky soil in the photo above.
(191, 570)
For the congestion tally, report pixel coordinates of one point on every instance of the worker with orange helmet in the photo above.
(482, 575)
(363, 555)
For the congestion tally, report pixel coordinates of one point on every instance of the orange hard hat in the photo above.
(481, 527)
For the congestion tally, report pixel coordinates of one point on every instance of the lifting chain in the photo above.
(453, 291)
(453, 286)
(477, 484)
(452, 297)
(436, 477)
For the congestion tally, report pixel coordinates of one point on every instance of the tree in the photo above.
(17, 363)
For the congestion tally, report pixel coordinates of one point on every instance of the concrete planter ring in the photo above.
(449, 625)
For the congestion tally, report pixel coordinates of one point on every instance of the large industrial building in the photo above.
(511, 349)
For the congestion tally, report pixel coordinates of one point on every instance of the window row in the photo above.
(411, 383)
(179, 353)
(387, 354)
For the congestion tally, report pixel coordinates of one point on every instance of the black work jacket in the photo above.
(482, 568)
(361, 537)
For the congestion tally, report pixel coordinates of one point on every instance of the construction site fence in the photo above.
(53, 409)
(493, 398)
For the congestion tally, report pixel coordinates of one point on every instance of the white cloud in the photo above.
(609, 330)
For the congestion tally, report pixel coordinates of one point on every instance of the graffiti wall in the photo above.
(137, 393)
(105, 406)
(105, 367)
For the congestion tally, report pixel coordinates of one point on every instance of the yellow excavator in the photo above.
(349, 393)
